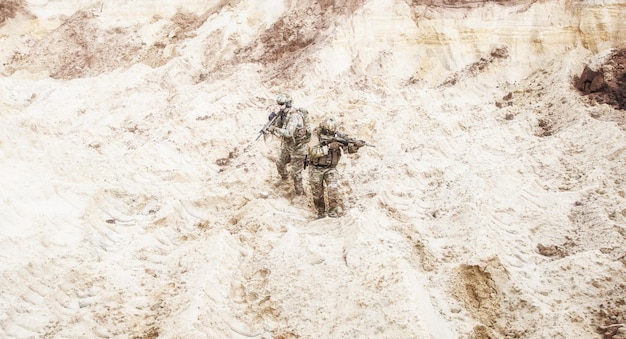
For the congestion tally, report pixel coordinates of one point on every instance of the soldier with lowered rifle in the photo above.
(291, 125)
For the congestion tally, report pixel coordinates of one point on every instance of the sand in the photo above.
(136, 203)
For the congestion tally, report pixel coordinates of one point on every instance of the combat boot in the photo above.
(280, 182)
(334, 213)
(321, 212)
(299, 200)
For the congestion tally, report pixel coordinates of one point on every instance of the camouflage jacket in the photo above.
(290, 126)
(325, 152)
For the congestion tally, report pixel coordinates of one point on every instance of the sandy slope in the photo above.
(137, 205)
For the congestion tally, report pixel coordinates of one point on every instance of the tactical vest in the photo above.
(329, 159)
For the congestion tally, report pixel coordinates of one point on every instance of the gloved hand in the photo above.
(271, 116)
(334, 145)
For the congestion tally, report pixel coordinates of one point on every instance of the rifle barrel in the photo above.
(267, 125)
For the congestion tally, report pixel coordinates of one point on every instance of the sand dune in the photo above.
(136, 202)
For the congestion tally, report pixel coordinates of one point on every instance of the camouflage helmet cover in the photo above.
(329, 125)
(283, 98)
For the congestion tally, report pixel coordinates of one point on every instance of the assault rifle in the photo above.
(272, 120)
(344, 140)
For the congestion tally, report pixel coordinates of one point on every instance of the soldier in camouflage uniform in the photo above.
(291, 127)
(322, 160)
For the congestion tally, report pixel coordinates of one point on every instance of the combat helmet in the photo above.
(329, 125)
(283, 99)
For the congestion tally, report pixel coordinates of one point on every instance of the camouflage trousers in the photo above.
(292, 155)
(320, 179)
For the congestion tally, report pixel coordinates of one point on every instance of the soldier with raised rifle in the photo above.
(322, 160)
